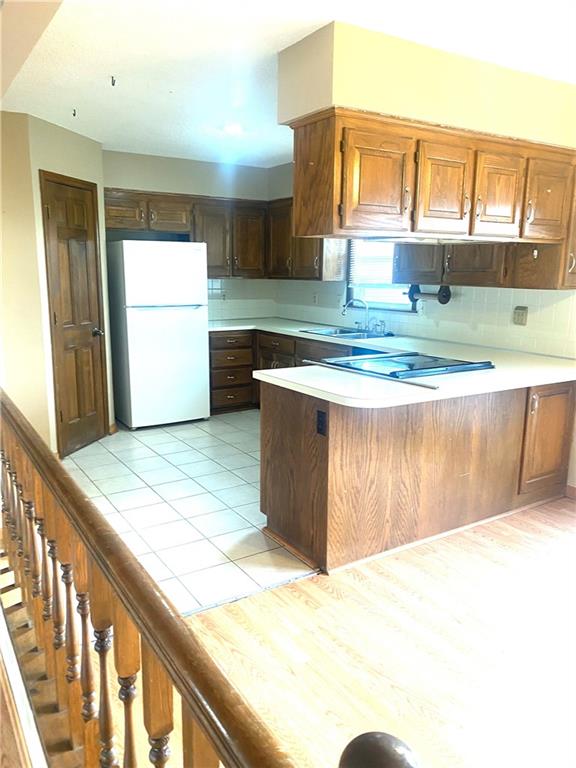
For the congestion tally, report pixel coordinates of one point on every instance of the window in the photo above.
(370, 276)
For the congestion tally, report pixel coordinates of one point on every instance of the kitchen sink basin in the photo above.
(348, 333)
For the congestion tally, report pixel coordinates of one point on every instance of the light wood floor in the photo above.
(465, 647)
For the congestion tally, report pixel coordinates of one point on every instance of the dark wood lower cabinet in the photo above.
(231, 365)
(340, 484)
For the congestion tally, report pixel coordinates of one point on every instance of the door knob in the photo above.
(97, 332)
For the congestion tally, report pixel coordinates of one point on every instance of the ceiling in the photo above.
(199, 80)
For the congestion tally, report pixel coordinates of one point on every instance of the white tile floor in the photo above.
(186, 500)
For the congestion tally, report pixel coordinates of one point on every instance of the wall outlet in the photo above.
(520, 316)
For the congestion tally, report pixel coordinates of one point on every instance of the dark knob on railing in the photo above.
(377, 750)
(97, 332)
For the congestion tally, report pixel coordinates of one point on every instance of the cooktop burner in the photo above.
(405, 365)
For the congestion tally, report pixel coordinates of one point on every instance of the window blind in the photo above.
(371, 262)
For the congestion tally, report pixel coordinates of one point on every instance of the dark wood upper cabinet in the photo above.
(307, 258)
(212, 225)
(249, 241)
(166, 214)
(535, 266)
(377, 181)
(498, 195)
(444, 200)
(482, 264)
(125, 210)
(547, 201)
(280, 238)
(418, 263)
(547, 435)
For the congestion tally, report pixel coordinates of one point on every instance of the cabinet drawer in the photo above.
(283, 344)
(226, 340)
(316, 350)
(232, 377)
(227, 398)
(231, 358)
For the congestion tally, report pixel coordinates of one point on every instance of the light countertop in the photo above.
(514, 370)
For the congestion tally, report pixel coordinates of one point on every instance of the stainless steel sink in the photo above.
(349, 333)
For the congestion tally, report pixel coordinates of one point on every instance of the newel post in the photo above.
(377, 750)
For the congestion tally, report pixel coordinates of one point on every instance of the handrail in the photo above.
(241, 739)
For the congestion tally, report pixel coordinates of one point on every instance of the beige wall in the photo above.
(380, 73)
(24, 354)
(191, 177)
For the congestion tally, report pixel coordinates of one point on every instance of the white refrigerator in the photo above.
(159, 331)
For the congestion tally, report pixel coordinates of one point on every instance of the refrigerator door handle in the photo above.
(164, 306)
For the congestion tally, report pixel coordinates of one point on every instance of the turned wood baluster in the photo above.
(127, 662)
(89, 710)
(198, 751)
(102, 620)
(57, 610)
(45, 600)
(158, 706)
(65, 536)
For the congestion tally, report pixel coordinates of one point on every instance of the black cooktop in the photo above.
(405, 365)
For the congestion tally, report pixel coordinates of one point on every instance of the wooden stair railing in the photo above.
(75, 573)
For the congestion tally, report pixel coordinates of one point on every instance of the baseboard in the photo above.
(112, 429)
(571, 491)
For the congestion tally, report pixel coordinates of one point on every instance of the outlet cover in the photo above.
(520, 316)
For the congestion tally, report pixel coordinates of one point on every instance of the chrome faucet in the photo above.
(351, 302)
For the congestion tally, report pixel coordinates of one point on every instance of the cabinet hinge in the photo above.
(47, 208)
(416, 156)
(340, 209)
(342, 145)
(61, 416)
(55, 320)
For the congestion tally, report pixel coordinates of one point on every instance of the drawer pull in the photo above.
(534, 403)
(230, 397)
(230, 357)
(231, 341)
(275, 343)
(231, 378)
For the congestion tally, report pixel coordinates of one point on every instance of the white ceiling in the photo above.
(186, 70)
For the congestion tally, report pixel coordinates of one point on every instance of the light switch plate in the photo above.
(520, 316)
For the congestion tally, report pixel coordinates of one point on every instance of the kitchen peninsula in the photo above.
(353, 466)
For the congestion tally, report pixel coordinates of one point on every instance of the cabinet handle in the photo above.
(407, 199)
(534, 402)
(231, 341)
(316, 262)
(227, 261)
(235, 261)
(141, 214)
(275, 343)
(231, 378)
(447, 263)
(230, 397)
(289, 263)
(467, 204)
(152, 216)
(530, 212)
(230, 357)
(479, 207)
(572, 263)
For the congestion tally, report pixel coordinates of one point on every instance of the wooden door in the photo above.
(377, 182)
(475, 264)
(212, 226)
(418, 263)
(76, 316)
(125, 210)
(444, 196)
(307, 258)
(167, 214)
(280, 238)
(249, 241)
(547, 205)
(498, 194)
(547, 435)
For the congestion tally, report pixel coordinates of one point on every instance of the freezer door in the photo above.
(164, 273)
(168, 365)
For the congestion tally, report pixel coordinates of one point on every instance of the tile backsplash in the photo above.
(478, 315)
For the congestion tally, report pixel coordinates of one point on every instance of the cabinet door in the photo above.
(268, 359)
(444, 197)
(306, 258)
(418, 263)
(498, 194)
(569, 274)
(475, 264)
(547, 434)
(126, 211)
(377, 182)
(168, 215)
(547, 200)
(280, 238)
(249, 241)
(535, 266)
(212, 226)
